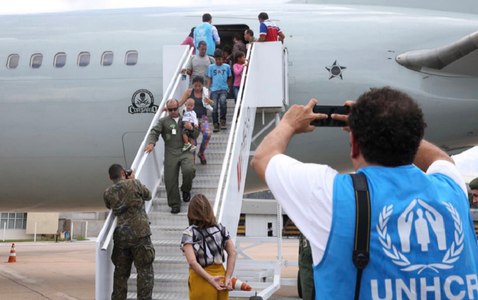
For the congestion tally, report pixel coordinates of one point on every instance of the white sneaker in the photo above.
(208, 107)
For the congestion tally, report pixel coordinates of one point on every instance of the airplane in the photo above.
(67, 81)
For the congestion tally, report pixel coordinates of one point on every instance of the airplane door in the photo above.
(131, 142)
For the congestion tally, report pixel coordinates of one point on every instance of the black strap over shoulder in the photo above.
(360, 256)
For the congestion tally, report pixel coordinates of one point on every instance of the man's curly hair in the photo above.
(388, 126)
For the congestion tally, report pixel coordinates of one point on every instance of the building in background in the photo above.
(259, 217)
(21, 226)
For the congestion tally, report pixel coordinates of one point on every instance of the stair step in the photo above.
(167, 243)
(166, 277)
(163, 286)
(168, 228)
(171, 259)
(161, 205)
(163, 296)
(209, 192)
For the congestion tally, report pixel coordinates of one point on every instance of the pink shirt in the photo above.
(238, 68)
(189, 41)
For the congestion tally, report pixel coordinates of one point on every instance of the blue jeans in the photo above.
(220, 95)
(236, 92)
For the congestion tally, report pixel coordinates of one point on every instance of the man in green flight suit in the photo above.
(132, 241)
(170, 128)
(305, 269)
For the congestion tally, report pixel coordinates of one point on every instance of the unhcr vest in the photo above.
(204, 33)
(422, 243)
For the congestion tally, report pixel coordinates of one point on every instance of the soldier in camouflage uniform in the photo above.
(170, 128)
(474, 192)
(305, 269)
(132, 241)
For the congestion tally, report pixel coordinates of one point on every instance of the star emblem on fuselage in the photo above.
(335, 70)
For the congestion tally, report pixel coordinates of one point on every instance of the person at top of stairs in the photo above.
(204, 243)
(170, 127)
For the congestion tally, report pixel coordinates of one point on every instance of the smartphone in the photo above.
(127, 173)
(329, 110)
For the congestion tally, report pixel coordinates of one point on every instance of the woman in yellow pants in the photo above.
(204, 243)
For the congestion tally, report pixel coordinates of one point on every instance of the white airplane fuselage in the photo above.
(63, 127)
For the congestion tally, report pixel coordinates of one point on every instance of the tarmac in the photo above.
(66, 271)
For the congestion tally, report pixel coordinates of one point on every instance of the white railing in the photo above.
(260, 91)
(285, 82)
(228, 154)
(263, 92)
(149, 169)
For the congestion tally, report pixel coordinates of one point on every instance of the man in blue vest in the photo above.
(422, 243)
(208, 33)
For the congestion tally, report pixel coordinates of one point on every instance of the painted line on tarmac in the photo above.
(17, 275)
(25, 279)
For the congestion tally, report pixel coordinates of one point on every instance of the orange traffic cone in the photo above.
(13, 255)
(239, 285)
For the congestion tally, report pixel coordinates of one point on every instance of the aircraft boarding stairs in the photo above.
(221, 180)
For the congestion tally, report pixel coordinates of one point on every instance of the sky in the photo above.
(36, 6)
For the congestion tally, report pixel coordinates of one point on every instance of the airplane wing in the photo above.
(459, 59)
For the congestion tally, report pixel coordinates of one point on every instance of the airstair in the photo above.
(221, 180)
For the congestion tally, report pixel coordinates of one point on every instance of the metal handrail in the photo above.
(228, 154)
(286, 76)
(141, 156)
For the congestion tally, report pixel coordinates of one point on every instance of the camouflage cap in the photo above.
(474, 184)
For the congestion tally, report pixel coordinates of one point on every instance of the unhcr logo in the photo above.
(419, 220)
(428, 228)
(142, 102)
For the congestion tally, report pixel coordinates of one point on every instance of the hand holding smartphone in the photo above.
(329, 110)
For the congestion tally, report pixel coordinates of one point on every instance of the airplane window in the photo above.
(12, 61)
(36, 61)
(107, 58)
(60, 60)
(131, 58)
(83, 59)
